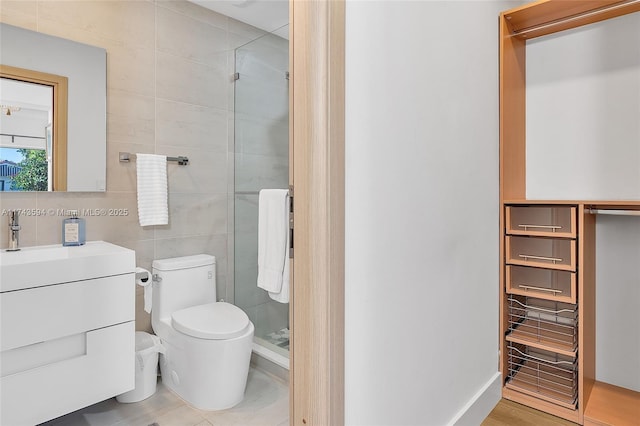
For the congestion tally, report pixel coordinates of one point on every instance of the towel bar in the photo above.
(125, 157)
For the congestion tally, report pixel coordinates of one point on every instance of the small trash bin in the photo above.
(148, 346)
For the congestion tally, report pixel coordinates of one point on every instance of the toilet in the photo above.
(207, 343)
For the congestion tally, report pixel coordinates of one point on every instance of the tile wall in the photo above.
(169, 91)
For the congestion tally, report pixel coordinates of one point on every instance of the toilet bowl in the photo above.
(207, 343)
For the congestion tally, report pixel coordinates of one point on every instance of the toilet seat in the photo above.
(213, 321)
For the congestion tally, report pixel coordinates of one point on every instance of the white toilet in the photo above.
(208, 343)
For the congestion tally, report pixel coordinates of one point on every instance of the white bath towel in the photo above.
(283, 295)
(273, 230)
(153, 207)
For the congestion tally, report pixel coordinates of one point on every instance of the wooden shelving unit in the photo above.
(528, 380)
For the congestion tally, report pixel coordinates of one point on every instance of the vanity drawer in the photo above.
(552, 253)
(551, 221)
(56, 385)
(549, 284)
(46, 313)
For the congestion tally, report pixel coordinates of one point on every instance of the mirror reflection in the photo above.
(30, 112)
(26, 114)
(59, 144)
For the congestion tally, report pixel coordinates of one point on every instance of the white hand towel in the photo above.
(273, 229)
(153, 207)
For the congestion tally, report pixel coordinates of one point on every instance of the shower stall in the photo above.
(261, 160)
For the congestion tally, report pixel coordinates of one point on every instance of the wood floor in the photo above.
(509, 413)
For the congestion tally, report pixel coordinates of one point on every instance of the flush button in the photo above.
(210, 275)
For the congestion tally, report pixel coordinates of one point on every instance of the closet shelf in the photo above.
(613, 405)
(554, 338)
(593, 204)
(548, 17)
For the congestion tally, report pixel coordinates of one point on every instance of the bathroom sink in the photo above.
(46, 265)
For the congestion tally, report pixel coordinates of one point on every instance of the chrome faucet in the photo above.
(14, 230)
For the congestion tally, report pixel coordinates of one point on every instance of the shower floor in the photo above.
(279, 338)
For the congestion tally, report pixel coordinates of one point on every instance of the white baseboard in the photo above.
(479, 407)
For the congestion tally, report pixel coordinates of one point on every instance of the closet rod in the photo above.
(615, 212)
(576, 17)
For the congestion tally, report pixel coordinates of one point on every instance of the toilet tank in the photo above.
(183, 282)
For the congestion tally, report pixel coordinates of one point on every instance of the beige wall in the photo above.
(168, 92)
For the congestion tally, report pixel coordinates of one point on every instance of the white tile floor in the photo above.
(266, 403)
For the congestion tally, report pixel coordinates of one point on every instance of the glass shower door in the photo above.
(261, 160)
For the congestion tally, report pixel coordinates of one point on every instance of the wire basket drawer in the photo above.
(543, 324)
(546, 375)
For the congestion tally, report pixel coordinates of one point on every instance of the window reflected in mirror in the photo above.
(33, 123)
(23, 169)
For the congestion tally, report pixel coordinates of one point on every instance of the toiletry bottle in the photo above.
(73, 230)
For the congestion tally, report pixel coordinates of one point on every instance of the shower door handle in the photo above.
(290, 221)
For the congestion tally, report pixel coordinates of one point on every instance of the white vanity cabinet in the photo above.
(65, 343)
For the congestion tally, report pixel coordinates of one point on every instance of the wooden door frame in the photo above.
(316, 96)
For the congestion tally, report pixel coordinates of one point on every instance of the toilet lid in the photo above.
(218, 320)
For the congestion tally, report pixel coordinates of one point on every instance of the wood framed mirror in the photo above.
(85, 67)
